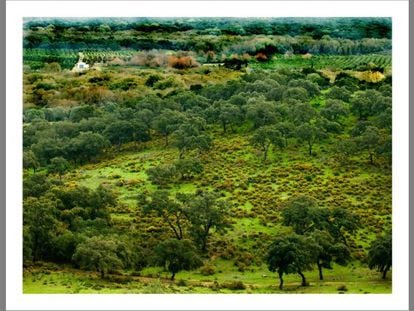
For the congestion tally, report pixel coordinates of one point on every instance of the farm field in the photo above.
(201, 161)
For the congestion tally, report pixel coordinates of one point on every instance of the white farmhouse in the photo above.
(80, 66)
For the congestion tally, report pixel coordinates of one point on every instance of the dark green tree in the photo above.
(266, 136)
(339, 221)
(99, 254)
(339, 93)
(368, 103)
(188, 168)
(345, 148)
(298, 93)
(58, 165)
(47, 148)
(82, 112)
(168, 209)
(260, 112)
(86, 146)
(369, 141)
(380, 254)
(301, 112)
(328, 251)
(334, 109)
(119, 132)
(35, 185)
(205, 211)
(286, 129)
(30, 160)
(303, 214)
(310, 134)
(229, 115)
(177, 255)
(291, 254)
(41, 225)
(190, 136)
(64, 246)
(162, 174)
(145, 116)
(167, 122)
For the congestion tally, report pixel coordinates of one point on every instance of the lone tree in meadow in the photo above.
(177, 255)
(380, 254)
(266, 136)
(291, 254)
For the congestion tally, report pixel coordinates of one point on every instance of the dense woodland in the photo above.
(207, 155)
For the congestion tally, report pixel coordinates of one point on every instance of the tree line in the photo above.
(274, 109)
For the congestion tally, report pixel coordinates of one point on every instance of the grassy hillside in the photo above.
(169, 171)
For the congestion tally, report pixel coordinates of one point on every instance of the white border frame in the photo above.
(398, 10)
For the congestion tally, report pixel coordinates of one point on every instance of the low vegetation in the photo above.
(185, 167)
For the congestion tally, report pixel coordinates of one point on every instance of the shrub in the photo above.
(188, 168)
(182, 283)
(165, 84)
(161, 175)
(308, 177)
(235, 285)
(182, 62)
(208, 269)
(152, 79)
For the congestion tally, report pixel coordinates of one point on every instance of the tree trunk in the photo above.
(320, 271)
(178, 235)
(102, 274)
(371, 158)
(173, 276)
(303, 278)
(384, 273)
(166, 140)
(180, 229)
(264, 154)
(281, 280)
(224, 127)
(310, 149)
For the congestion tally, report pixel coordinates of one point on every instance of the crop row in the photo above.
(36, 58)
